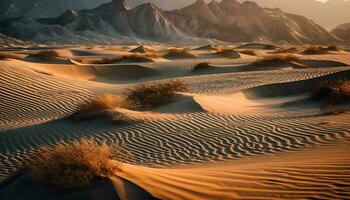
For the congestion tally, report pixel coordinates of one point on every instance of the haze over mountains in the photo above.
(329, 14)
(117, 21)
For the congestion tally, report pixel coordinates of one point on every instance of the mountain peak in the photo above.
(116, 6)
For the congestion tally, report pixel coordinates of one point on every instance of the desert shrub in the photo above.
(150, 96)
(179, 53)
(135, 57)
(201, 67)
(333, 48)
(108, 101)
(139, 57)
(316, 50)
(277, 58)
(248, 52)
(75, 165)
(47, 54)
(227, 52)
(333, 92)
(269, 47)
(4, 56)
(333, 110)
(99, 61)
(102, 106)
(286, 50)
(144, 97)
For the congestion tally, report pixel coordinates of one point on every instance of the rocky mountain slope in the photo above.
(43, 8)
(343, 31)
(328, 14)
(116, 22)
(110, 22)
(233, 21)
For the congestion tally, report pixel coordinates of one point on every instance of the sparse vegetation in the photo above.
(334, 92)
(248, 52)
(144, 97)
(135, 57)
(277, 58)
(227, 52)
(75, 165)
(179, 53)
(201, 66)
(47, 54)
(269, 47)
(314, 50)
(150, 96)
(333, 110)
(4, 56)
(286, 50)
(102, 106)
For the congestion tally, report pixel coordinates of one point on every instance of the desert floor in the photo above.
(232, 136)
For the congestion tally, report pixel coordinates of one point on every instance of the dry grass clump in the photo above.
(179, 53)
(286, 50)
(277, 58)
(227, 52)
(248, 52)
(47, 54)
(334, 92)
(314, 50)
(4, 56)
(135, 57)
(333, 48)
(201, 67)
(102, 106)
(269, 47)
(141, 98)
(75, 165)
(150, 96)
(333, 110)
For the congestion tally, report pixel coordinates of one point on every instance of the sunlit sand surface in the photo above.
(231, 136)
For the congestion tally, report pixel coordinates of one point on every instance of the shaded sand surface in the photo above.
(228, 137)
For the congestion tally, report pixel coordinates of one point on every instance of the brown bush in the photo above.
(141, 98)
(102, 106)
(248, 52)
(333, 92)
(314, 50)
(150, 96)
(333, 48)
(135, 57)
(201, 67)
(75, 165)
(286, 50)
(47, 54)
(231, 53)
(269, 47)
(179, 53)
(277, 58)
(4, 56)
(333, 110)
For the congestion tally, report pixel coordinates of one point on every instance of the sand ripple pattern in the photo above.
(191, 138)
(225, 84)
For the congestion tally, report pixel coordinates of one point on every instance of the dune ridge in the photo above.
(227, 134)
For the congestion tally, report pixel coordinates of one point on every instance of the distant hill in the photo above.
(343, 31)
(230, 20)
(43, 8)
(329, 14)
(117, 21)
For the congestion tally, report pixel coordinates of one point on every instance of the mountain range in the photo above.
(117, 21)
(343, 32)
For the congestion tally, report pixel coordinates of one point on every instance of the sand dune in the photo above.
(307, 174)
(226, 138)
(293, 87)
